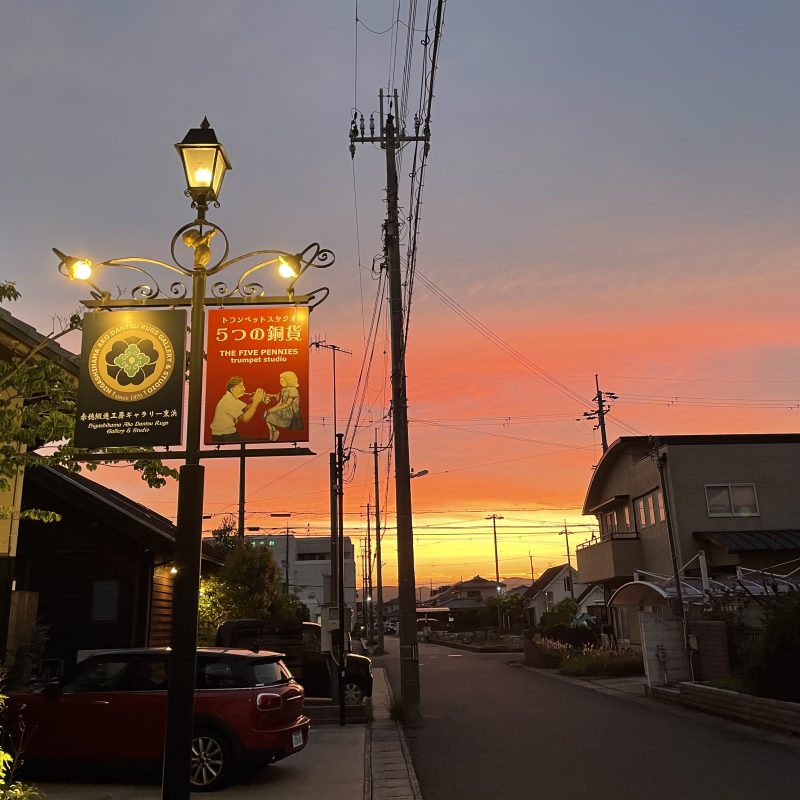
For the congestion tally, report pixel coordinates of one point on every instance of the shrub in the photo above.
(772, 671)
(9, 787)
(605, 663)
(545, 653)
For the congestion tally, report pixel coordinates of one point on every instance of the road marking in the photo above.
(455, 655)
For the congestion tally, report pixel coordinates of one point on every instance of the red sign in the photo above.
(257, 375)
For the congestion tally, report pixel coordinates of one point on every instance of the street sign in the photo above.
(130, 391)
(257, 375)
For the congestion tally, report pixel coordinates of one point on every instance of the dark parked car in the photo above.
(302, 645)
(112, 710)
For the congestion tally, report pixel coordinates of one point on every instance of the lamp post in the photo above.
(205, 164)
(494, 518)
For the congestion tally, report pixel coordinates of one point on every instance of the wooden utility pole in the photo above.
(378, 564)
(494, 518)
(565, 532)
(599, 413)
(390, 138)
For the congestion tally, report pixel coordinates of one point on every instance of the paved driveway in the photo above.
(331, 766)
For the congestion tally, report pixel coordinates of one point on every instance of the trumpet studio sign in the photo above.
(131, 383)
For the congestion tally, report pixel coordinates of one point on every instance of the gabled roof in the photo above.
(545, 579)
(141, 523)
(19, 331)
(475, 583)
(589, 589)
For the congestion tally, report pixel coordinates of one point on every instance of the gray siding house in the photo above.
(736, 497)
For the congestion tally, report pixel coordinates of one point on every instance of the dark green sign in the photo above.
(131, 382)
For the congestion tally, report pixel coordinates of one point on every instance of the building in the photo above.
(549, 589)
(466, 594)
(19, 340)
(308, 566)
(100, 577)
(734, 497)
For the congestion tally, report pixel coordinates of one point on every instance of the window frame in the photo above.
(732, 512)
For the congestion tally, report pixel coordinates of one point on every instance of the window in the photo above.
(99, 676)
(627, 518)
(549, 602)
(568, 583)
(650, 509)
(731, 500)
(105, 600)
(609, 523)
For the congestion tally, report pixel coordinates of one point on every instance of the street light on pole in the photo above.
(494, 518)
(205, 163)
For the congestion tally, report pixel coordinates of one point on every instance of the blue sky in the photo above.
(612, 187)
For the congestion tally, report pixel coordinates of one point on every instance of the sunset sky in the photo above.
(613, 188)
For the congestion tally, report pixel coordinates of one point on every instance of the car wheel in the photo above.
(212, 761)
(353, 694)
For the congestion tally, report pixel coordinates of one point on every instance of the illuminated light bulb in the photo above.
(286, 270)
(82, 270)
(173, 571)
(202, 176)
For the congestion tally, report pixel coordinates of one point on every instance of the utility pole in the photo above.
(390, 136)
(599, 413)
(337, 460)
(379, 565)
(661, 462)
(340, 559)
(368, 577)
(531, 558)
(565, 532)
(242, 463)
(494, 518)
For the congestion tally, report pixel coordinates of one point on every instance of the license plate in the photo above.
(297, 738)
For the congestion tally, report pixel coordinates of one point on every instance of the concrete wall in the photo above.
(710, 660)
(776, 714)
(663, 633)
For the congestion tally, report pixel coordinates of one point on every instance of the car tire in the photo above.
(354, 695)
(212, 761)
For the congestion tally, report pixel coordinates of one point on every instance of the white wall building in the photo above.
(309, 563)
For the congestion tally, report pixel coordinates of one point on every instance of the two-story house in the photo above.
(736, 497)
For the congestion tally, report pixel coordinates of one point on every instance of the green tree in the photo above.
(249, 585)
(37, 409)
(562, 614)
(512, 607)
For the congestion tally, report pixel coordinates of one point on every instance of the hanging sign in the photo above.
(130, 391)
(257, 375)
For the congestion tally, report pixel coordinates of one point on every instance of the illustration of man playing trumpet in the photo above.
(231, 410)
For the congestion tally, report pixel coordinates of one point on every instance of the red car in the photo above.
(112, 709)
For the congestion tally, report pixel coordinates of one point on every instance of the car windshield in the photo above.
(269, 672)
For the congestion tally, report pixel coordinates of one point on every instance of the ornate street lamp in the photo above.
(204, 162)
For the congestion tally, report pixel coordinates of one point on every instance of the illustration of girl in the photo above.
(285, 414)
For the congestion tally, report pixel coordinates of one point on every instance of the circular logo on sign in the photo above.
(131, 361)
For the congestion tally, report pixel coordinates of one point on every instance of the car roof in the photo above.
(149, 651)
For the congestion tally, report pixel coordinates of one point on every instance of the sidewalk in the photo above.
(339, 763)
(388, 771)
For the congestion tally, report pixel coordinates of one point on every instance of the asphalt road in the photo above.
(491, 728)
